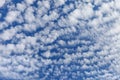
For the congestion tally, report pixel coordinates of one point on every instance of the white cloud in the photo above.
(21, 6)
(29, 16)
(46, 4)
(19, 48)
(8, 34)
(29, 1)
(47, 54)
(59, 2)
(2, 2)
(82, 36)
(11, 16)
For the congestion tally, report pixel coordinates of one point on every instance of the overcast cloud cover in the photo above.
(59, 39)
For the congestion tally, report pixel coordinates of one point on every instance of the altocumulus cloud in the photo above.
(59, 40)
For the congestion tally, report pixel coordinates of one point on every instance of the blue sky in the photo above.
(59, 40)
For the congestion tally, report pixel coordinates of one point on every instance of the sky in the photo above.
(59, 40)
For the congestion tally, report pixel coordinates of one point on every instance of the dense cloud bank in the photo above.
(60, 39)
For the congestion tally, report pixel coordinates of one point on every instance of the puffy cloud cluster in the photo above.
(59, 39)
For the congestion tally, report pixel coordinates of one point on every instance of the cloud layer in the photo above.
(60, 39)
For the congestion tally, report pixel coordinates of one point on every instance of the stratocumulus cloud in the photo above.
(59, 39)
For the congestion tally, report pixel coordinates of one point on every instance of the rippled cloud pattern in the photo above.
(59, 39)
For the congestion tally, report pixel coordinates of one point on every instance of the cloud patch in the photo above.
(60, 39)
